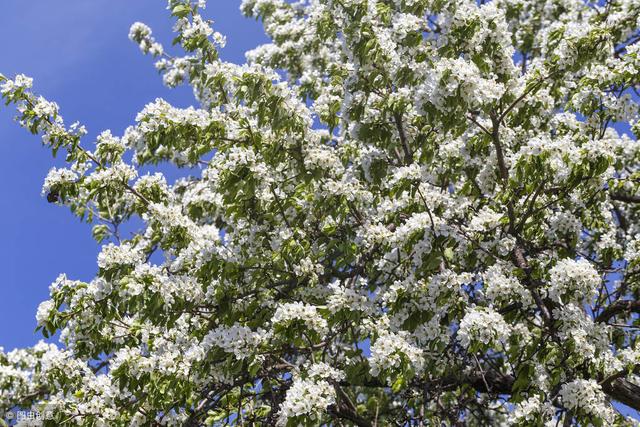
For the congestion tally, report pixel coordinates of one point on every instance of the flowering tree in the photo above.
(406, 212)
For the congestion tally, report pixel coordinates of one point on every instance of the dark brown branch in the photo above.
(408, 156)
(347, 414)
(624, 392)
(618, 307)
(477, 123)
(495, 136)
(626, 198)
(520, 98)
(617, 388)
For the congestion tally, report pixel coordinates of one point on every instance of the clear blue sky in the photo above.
(79, 55)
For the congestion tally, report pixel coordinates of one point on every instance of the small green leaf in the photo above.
(398, 384)
(181, 10)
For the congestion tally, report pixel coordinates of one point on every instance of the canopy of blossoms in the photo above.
(399, 212)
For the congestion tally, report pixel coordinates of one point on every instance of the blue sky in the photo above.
(79, 55)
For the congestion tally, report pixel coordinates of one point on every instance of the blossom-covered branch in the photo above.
(398, 212)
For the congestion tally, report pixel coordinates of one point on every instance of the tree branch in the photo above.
(618, 307)
(626, 198)
(348, 414)
(408, 156)
(624, 392)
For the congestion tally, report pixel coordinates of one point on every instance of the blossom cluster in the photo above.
(483, 326)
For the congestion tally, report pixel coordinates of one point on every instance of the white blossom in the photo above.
(573, 278)
(482, 326)
(390, 350)
(586, 396)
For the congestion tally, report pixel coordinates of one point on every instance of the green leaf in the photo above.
(181, 10)
(398, 384)
(100, 232)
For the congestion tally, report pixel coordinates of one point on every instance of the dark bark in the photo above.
(624, 392)
(618, 307)
(347, 414)
(619, 389)
(626, 198)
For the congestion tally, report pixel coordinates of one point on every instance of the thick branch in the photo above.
(624, 392)
(496, 382)
(618, 389)
(618, 307)
(495, 137)
(408, 156)
(625, 198)
(347, 414)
